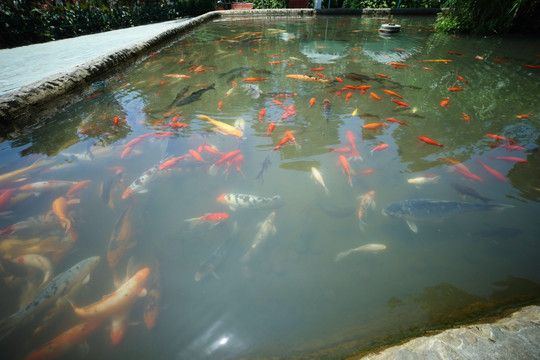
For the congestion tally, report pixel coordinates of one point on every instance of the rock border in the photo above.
(44, 97)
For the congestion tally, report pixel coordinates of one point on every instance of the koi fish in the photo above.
(361, 88)
(248, 201)
(265, 230)
(215, 218)
(379, 147)
(374, 125)
(374, 96)
(41, 221)
(341, 150)
(178, 76)
(6, 196)
(275, 62)
(512, 159)
(513, 147)
(262, 114)
(346, 168)
(46, 185)
(78, 186)
(365, 201)
(194, 154)
(522, 116)
(352, 141)
(455, 88)
(444, 102)
(270, 128)
(317, 69)
(372, 248)
(422, 180)
(289, 112)
(59, 208)
(117, 301)
(312, 102)
(338, 79)
(139, 186)
(12, 174)
(306, 78)
(398, 65)
(466, 117)
(429, 141)
(199, 69)
(499, 138)
(288, 137)
(254, 79)
(529, 66)
(224, 159)
(463, 170)
(397, 121)
(121, 238)
(400, 103)
(493, 172)
(222, 127)
(38, 262)
(317, 176)
(169, 163)
(348, 96)
(440, 61)
(392, 93)
(382, 76)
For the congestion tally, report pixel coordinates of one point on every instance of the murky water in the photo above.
(290, 294)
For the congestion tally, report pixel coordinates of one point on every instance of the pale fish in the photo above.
(265, 230)
(371, 248)
(38, 262)
(316, 174)
(247, 201)
(421, 180)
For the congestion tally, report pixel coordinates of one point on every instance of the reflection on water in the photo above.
(216, 232)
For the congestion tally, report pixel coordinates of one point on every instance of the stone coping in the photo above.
(39, 98)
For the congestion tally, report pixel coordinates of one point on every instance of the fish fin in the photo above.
(412, 226)
(326, 191)
(341, 255)
(73, 201)
(193, 222)
(86, 279)
(232, 208)
(215, 275)
(143, 191)
(212, 170)
(143, 292)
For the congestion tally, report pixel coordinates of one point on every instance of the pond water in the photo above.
(419, 236)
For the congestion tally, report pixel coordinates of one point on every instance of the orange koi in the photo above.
(463, 170)
(306, 78)
(78, 186)
(455, 88)
(254, 79)
(493, 172)
(362, 88)
(5, 197)
(270, 128)
(522, 116)
(397, 121)
(392, 93)
(262, 114)
(382, 76)
(116, 120)
(277, 102)
(65, 341)
(341, 150)
(275, 62)
(177, 125)
(312, 101)
(195, 155)
(338, 79)
(167, 164)
(374, 125)
(499, 138)
(211, 149)
(346, 168)
(288, 137)
(348, 96)
(321, 75)
(513, 147)
(59, 209)
(317, 69)
(461, 78)
(440, 61)
(209, 217)
(374, 96)
(379, 147)
(220, 105)
(398, 65)
(352, 141)
(289, 111)
(444, 102)
(400, 103)
(429, 141)
(512, 159)
(529, 66)
(227, 156)
(117, 301)
(466, 117)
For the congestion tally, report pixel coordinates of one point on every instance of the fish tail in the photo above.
(341, 255)
(194, 222)
(212, 170)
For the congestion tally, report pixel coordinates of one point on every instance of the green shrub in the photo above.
(269, 4)
(362, 4)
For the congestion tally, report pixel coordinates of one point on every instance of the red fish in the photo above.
(493, 172)
(312, 101)
(346, 168)
(392, 93)
(254, 79)
(500, 138)
(382, 76)
(277, 102)
(397, 121)
(444, 102)
(348, 96)
(209, 217)
(362, 88)
(116, 120)
(338, 79)
(523, 116)
(196, 155)
(78, 186)
(379, 147)
(167, 164)
(270, 128)
(398, 65)
(289, 112)
(220, 105)
(227, 156)
(352, 141)
(466, 117)
(262, 114)
(512, 159)
(455, 88)
(400, 103)
(211, 149)
(429, 141)
(341, 150)
(288, 137)
(467, 173)
(536, 66)
(374, 125)
(461, 78)
(374, 96)
(275, 62)
(513, 147)
(317, 69)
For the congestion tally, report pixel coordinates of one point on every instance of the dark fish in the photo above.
(361, 77)
(55, 289)
(335, 211)
(215, 260)
(468, 191)
(236, 71)
(107, 187)
(427, 209)
(181, 94)
(194, 96)
(327, 109)
(265, 165)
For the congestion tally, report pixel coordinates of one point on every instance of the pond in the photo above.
(283, 188)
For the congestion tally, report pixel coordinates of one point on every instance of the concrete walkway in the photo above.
(515, 337)
(25, 65)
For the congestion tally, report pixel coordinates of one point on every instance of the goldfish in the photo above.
(116, 120)
(346, 168)
(400, 103)
(317, 176)
(210, 149)
(529, 66)
(341, 150)
(455, 88)
(275, 62)
(429, 141)
(199, 69)
(522, 116)
(374, 96)
(226, 158)
(461, 78)
(464, 170)
(170, 162)
(222, 127)
(365, 201)
(317, 69)
(270, 128)
(392, 93)
(128, 147)
(374, 125)
(265, 229)
(65, 341)
(352, 141)
(215, 218)
(398, 65)
(512, 159)
(254, 79)
(421, 180)
(262, 114)
(12, 174)
(466, 117)
(367, 171)
(289, 112)
(397, 121)
(493, 172)
(348, 96)
(382, 76)
(499, 138)
(379, 147)
(338, 79)
(513, 147)
(220, 105)
(444, 102)
(59, 209)
(362, 88)
(194, 154)
(117, 301)
(306, 78)
(287, 137)
(442, 61)
(178, 76)
(177, 125)
(78, 186)
(312, 101)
